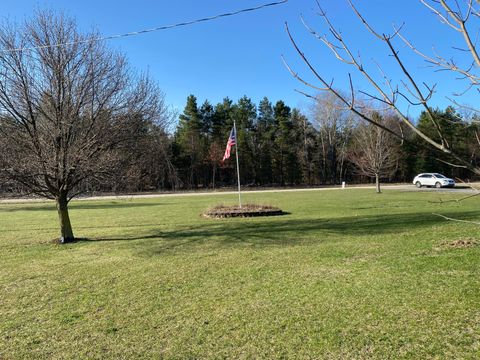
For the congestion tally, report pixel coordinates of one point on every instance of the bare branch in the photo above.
(443, 18)
(457, 220)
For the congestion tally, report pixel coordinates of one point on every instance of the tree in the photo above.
(190, 140)
(375, 152)
(410, 92)
(304, 139)
(282, 142)
(214, 159)
(334, 127)
(207, 115)
(145, 164)
(66, 110)
(244, 112)
(222, 123)
(264, 140)
(459, 135)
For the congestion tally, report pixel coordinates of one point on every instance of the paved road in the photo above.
(401, 187)
(458, 189)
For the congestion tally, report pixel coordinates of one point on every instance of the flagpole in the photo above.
(238, 168)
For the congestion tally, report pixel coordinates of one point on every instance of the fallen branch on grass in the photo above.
(457, 220)
(462, 198)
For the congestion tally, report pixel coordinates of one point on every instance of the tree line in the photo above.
(278, 146)
(283, 146)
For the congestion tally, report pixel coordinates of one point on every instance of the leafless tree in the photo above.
(145, 165)
(67, 105)
(214, 159)
(374, 151)
(334, 126)
(461, 17)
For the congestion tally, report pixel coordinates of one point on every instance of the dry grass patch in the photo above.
(461, 243)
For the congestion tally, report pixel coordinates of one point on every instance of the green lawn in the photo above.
(346, 274)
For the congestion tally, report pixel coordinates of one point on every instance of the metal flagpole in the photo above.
(238, 168)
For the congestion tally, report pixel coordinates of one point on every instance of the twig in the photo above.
(457, 220)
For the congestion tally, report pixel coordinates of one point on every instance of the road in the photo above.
(400, 187)
(458, 189)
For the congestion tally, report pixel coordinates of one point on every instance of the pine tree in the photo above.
(207, 114)
(222, 123)
(282, 142)
(244, 112)
(188, 139)
(264, 141)
(209, 162)
(452, 131)
(304, 140)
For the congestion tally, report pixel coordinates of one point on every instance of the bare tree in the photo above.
(334, 127)
(214, 159)
(375, 152)
(461, 17)
(145, 165)
(67, 104)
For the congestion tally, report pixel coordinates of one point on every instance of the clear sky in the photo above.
(241, 55)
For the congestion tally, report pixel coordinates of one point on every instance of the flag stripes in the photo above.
(231, 141)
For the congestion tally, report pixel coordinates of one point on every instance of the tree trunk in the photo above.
(213, 177)
(66, 232)
(377, 184)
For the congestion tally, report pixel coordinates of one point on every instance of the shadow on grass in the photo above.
(82, 206)
(282, 231)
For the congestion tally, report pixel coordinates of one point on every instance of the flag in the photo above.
(231, 141)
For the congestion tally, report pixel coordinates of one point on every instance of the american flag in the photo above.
(231, 141)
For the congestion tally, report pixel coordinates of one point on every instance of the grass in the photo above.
(346, 274)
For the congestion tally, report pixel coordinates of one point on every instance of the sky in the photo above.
(241, 55)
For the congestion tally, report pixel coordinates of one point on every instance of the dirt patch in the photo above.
(247, 210)
(461, 243)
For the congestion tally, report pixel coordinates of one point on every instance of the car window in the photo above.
(426, 176)
(440, 176)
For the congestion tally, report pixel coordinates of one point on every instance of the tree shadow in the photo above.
(81, 206)
(279, 231)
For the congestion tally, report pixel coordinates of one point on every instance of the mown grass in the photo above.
(346, 274)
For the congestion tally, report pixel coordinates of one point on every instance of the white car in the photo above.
(433, 179)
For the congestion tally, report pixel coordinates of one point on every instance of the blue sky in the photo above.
(241, 55)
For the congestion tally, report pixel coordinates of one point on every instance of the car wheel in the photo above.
(418, 184)
(438, 185)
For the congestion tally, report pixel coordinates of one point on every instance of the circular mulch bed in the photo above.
(247, 210)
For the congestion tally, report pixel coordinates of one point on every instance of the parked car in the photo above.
(433, 179)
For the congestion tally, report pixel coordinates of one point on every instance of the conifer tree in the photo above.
(245, 114)
(265, 140)
(188, 139)
(282, 142)
(304, 140)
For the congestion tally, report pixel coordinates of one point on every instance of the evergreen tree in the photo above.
(266, 116)
(264, 141)
(453, 131)
(244, 112)
(189, 142)
(209, 162)
(283, 142)
(222, 120)
(221, 125)
(207, 114)
(304, 141)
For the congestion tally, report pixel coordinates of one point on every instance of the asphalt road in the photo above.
(457, 189)
(402, 187)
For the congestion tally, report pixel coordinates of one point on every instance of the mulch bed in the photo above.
(247, 210)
